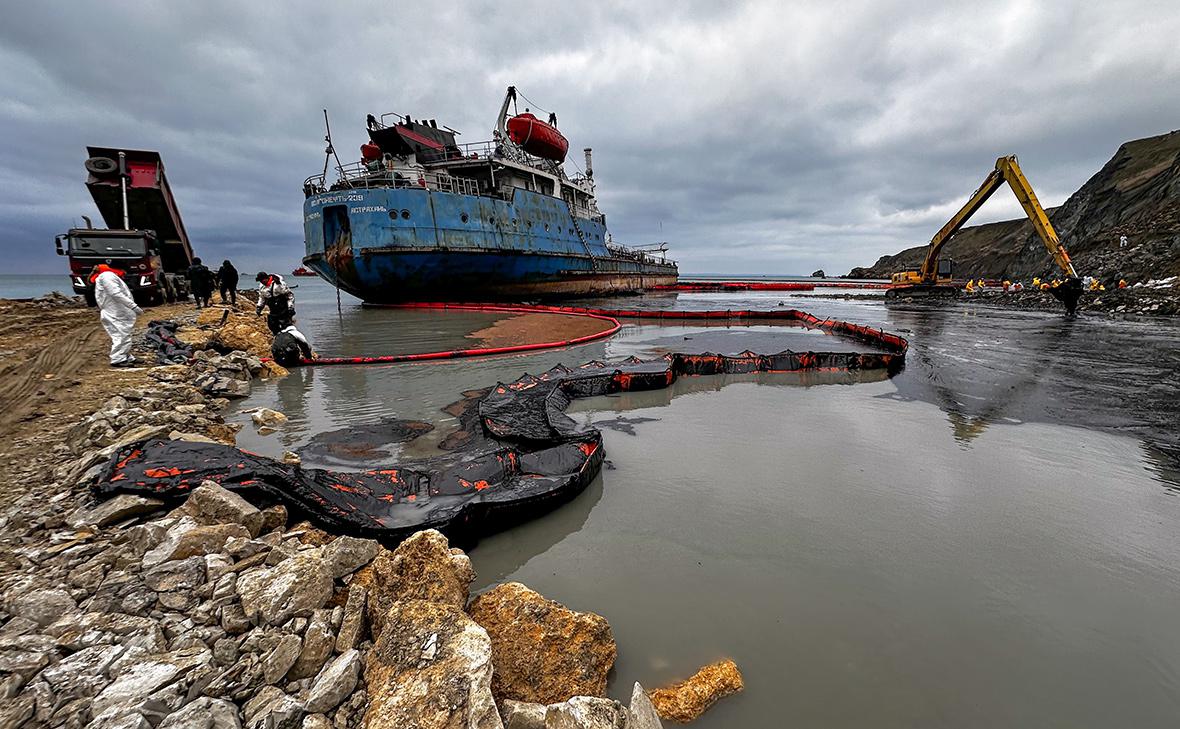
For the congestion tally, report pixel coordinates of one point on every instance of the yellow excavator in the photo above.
(934, 278)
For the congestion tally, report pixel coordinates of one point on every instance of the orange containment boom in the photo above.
(894, 356)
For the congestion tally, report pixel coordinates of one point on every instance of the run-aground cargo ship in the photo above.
(423, 218)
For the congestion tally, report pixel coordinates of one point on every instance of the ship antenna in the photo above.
(331, 152)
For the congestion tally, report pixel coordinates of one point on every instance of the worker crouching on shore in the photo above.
(117, 311)
(290, 347)
(274, 294)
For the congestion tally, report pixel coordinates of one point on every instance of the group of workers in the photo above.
(202, 282)
(118, 310)
(1089, 283)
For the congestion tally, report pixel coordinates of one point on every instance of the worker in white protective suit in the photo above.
(117, 311)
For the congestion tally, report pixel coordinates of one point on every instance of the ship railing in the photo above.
(639, 254)
(473, 151)
(362, 175)
(490, 150)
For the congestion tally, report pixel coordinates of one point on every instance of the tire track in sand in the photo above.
(65, 358)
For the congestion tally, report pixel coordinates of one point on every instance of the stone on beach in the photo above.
(586, 712)
(543, 651)
(423, 567)
(684, 701)
(43, 606)
(115, 510)
(188, 538)
(294, 587)
(266, 416)
(431, 668)
(210, 503)
(334, 682)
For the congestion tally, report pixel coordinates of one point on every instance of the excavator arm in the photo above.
(1007, 169)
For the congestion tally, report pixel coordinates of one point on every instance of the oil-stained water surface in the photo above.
(987, 539)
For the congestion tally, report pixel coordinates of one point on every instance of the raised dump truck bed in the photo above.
(150, 204)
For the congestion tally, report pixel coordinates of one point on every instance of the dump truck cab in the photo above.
(134, 252)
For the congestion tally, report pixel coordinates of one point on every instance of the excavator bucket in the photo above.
(1068, 293)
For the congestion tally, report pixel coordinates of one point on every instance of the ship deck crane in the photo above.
(933, 278)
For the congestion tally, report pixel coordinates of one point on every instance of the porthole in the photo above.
(405, 215)
(492, 220)
(514, 222)
(393, 214)
(463, 217)
(528, 223)
(546, 227)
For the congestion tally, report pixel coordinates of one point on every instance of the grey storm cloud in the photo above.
(753, 137)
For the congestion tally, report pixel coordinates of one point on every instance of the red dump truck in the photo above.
(144, 235)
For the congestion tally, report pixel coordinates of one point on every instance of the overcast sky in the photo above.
(753, 137)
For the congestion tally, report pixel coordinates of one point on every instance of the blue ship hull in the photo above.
(387, 245)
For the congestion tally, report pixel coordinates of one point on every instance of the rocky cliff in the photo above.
(1136, 194)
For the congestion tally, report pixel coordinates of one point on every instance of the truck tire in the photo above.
(89, 297)
(102, 166)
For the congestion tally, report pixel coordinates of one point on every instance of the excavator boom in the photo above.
(929, 278)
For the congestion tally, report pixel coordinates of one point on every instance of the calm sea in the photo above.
(28, 285)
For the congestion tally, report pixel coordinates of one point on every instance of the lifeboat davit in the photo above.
(538, 138)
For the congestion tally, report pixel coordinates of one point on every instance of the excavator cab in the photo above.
(910, 283)
(934, 278)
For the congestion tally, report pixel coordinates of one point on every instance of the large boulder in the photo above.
(334, 683)
(136, 680)
(682, 702)
(543, 652)
(431, 668)
(187, 538)
(204, 713)
(84, 673)
(294, 588)
(210, 503)
(423, 567)
(43, 606)
(345, 555)
(115, 510)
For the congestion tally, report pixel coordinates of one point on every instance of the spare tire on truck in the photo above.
(102, 166)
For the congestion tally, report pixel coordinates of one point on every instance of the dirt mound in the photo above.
(1136, 194)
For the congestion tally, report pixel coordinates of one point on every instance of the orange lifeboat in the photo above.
(538, 138)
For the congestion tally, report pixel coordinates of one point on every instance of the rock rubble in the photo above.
(218, 613)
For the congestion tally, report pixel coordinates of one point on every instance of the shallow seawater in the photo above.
(986, 539)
